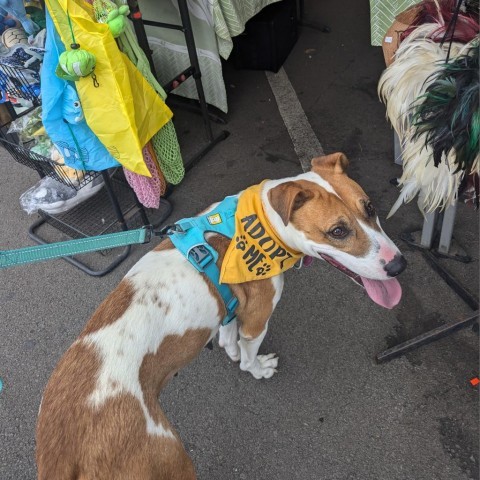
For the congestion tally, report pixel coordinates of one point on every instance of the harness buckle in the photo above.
(200, 255)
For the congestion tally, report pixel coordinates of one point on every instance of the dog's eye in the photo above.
(338, 232)
(370, 209)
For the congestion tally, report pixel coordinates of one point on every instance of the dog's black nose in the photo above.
(396, 266)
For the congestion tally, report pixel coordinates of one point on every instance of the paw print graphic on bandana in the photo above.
(241, 242)
(263, 270)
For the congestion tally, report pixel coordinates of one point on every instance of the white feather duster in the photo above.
(438, 185)
(400, 85)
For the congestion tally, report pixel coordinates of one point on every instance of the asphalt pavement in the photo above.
(331, 412)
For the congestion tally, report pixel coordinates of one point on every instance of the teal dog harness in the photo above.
(188, 236)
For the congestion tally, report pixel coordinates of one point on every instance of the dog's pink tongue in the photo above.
(386, 293)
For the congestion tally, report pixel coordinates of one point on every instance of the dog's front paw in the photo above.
(264, 366)
(232, 351)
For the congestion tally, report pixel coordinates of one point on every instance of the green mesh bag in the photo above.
(165, 142)
(166, 147)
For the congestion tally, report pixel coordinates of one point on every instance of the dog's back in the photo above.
(100, 417)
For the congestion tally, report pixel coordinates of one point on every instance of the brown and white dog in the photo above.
(100, 417)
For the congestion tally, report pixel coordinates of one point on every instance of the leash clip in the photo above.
(168, 230)
(162, 233)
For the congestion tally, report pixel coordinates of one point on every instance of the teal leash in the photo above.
(195, 249)
(39, 253)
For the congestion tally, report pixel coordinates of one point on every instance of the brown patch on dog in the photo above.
(255, 305)
(165, 244)
(61, 419)
(173, 354)
(323, 213)
(288, 197)
(316, 212)
(332, 168)
(75, 441)
(112, 308)
(255, 299)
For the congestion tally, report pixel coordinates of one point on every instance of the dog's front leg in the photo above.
(258, 300)
(227, 339)
(260, 366)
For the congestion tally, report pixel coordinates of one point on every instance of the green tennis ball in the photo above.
(79, 62)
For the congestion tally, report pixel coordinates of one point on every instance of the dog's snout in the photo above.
(396, 266)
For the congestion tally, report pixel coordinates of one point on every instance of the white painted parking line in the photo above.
(305, 142)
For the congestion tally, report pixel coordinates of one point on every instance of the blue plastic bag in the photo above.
(79, 146)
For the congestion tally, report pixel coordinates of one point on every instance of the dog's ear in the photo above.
(288, 197)
(336, 162)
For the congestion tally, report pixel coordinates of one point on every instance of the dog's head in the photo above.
(327, 215)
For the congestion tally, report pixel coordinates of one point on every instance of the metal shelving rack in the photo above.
(114, 208)
(193, 70)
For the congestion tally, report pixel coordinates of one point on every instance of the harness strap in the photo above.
(38, 253)
(202, 258)
(188, 236)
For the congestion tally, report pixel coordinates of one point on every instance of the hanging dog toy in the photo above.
(115, 17)
(76, 63)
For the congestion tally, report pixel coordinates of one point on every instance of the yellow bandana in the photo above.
(255, 251)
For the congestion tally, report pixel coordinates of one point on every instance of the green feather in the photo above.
(447, 115)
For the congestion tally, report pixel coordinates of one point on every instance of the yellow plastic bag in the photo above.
(124, 111)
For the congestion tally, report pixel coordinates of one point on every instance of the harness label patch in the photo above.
(214, 219)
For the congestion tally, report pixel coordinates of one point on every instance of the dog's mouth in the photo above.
(386, 293)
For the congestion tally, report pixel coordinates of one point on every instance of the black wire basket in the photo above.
(47, 167)
(18, 83)
(15, 84)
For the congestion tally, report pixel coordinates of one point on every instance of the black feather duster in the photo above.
(448, 113)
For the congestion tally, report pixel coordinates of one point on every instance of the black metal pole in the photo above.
(113, 199)
(425, 338)
(192, 53)
(136, 17)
